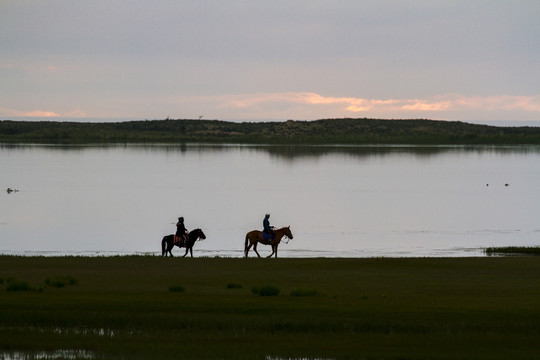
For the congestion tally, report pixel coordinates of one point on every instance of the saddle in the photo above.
(267, 236)
(180, 239)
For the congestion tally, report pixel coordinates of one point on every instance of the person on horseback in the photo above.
(267, 228)
(181, 232)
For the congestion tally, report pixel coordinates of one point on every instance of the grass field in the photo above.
(142, 307)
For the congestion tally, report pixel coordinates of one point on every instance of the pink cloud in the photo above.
(355, 108)
(426, 106)
(4, 112)
(310, 105)
(243, 101)
(39, 113)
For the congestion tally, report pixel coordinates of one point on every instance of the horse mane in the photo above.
(196, 232)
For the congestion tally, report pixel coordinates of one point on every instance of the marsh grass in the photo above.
(265, 290)
(478, 308)
(234, 285)
(15, 284)
(60, 281)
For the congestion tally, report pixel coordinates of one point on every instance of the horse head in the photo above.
(201, 234)
(288, 232)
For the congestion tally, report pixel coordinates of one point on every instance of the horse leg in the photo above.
(273, 251)
(187, 249)
(255, 249)
(247, 249)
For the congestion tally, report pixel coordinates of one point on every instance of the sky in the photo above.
(260, 60)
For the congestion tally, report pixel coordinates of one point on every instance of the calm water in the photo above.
(339, 201)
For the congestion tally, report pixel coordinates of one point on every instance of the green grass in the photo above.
(122, 308)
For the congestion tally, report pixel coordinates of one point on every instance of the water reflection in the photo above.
(289, 151)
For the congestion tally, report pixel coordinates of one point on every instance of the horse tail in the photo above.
(163, 246)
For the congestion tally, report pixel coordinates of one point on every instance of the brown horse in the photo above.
(256, 236)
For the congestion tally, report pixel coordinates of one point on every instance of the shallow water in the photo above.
(340, 201)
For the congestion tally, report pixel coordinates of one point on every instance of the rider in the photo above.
(180, 231)
(267, 228)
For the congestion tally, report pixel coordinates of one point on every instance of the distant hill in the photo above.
(327, 131)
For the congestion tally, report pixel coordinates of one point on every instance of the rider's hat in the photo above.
(181, 218)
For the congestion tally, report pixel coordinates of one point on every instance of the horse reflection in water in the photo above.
(168, 243)
(254, 237)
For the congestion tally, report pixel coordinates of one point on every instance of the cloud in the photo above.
(426, 106)
(436, 104)
(313, 105)
(5, 112)
(354, 108)
(303, 105)
(40, 113)
(307, 98)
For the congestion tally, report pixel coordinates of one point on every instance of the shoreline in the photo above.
(283, 253)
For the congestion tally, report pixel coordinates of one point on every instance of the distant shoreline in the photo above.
(496, 123)
(291, 132)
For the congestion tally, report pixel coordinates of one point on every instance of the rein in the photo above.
(285, 235)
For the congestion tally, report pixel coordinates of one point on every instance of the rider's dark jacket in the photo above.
(180, 229)
(267, 228)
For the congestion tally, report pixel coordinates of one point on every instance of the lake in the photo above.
(340, 201)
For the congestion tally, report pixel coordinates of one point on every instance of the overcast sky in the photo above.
(270, 60)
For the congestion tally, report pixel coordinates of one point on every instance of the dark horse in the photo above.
(256, 236)
(167, 243)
